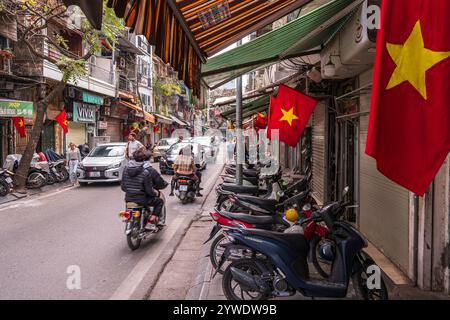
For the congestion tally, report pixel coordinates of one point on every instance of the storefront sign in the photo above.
(102, 125)
(83, 112)
(90, 98)
(13, 108)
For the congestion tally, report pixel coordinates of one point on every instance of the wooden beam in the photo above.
(186, 29)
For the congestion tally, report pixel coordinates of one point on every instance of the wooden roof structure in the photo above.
(186, 32)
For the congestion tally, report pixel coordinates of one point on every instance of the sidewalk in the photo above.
(12, 197)
(188, 276)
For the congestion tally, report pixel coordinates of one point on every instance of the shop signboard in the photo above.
(83, 112)
(91, 98)
(13, 108)
(102, 125)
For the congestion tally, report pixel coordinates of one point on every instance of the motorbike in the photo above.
(59, 171)
(185, 189)
(135, 218)
(278, 266)
(6, 182)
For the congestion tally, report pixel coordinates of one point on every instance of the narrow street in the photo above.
(42, 237)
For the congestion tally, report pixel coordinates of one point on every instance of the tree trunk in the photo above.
(41, 108)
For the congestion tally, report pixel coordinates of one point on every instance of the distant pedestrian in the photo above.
(132, 146)
(73, 157)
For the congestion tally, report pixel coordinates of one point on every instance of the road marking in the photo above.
(132, 281)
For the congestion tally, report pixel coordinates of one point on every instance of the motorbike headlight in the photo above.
(114, 166)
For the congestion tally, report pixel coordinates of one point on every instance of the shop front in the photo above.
(82, 127)
(10, 141)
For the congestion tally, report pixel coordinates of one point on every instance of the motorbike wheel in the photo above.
(216, 251)
(233, 290)
(359, 280)
(4, 188)
(36, 180)
(133, 240)
(63, 174)
(50, 179)
(322, 266)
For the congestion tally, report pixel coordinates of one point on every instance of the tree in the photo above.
(33, 18)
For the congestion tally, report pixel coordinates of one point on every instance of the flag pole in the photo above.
(239, 136)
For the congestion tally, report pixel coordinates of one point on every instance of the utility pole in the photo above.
(240, 151)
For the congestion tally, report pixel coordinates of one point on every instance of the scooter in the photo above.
(279, 267)
(185, 189)
(6, 182)
(135, 218)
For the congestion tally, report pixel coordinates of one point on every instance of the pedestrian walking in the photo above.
(73, 157)
(132, 146)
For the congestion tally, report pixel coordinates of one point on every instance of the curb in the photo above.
(46, 190)
(176, 240)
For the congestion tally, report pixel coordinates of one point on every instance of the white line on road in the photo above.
(132, 281)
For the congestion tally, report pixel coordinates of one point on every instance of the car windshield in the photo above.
(175, 149)
(204, 141)
(108, 151)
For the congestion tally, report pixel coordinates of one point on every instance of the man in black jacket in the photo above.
(139, 185)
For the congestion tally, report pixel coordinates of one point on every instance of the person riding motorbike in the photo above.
(185, 165)
(139, 185)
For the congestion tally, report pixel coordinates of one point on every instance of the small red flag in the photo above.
(409, 131)
(62, 120)
(19, 123)
(261, 121)
(290, 113)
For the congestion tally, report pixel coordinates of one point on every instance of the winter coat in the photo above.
(139, 184)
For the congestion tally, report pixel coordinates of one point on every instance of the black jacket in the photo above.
(139, 184)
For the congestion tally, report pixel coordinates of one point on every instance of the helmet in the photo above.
(291, 215)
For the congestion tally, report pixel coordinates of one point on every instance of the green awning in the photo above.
(302, 36)
(248, 109)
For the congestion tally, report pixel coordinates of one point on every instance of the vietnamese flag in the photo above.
(261, 121)
(409, 127)
(290, 113)
(62, 120)
(19, 124)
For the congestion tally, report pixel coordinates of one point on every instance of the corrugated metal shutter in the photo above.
(319, 152)
(384, 205)
(77, 133)
(114, 129)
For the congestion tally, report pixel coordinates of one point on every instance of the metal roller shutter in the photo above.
(319, 152)
(384, 205)
(77, 133)
(114, 129)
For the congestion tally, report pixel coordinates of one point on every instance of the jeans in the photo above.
(73, 165)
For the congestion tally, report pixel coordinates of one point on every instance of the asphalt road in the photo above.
(47, 241)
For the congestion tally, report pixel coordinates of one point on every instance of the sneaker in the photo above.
(171, 194)
(199, 194)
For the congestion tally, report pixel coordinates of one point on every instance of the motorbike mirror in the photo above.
(345, 192)
(306, 207)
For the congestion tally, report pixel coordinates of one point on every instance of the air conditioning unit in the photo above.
(352, 51)
(71, 92)
(122, 63)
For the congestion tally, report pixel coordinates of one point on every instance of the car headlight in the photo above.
(114, 166)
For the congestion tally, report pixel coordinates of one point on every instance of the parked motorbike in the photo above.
(185, 189)
(6, 182)
(278, 266)
(135, 218)
(59, 171)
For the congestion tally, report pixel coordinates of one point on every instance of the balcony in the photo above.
(127, 85)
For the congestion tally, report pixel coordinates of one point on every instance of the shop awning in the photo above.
(249, 109)
(303, 36)
(180, 122)
(185, 32)
(163, 119)
(147, 116)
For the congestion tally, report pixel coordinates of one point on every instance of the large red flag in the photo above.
(409, 128)
(19, 124)
(62, 120)
(289, 113)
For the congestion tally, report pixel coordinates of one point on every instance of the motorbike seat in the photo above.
(256, 220)
(296, 241)
(265, 203)
(239, 189)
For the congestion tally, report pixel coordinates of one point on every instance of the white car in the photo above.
(105, 163)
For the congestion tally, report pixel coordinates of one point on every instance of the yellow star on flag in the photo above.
(65, 122)
(413, 60)
(288, 116)
(21, 123)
